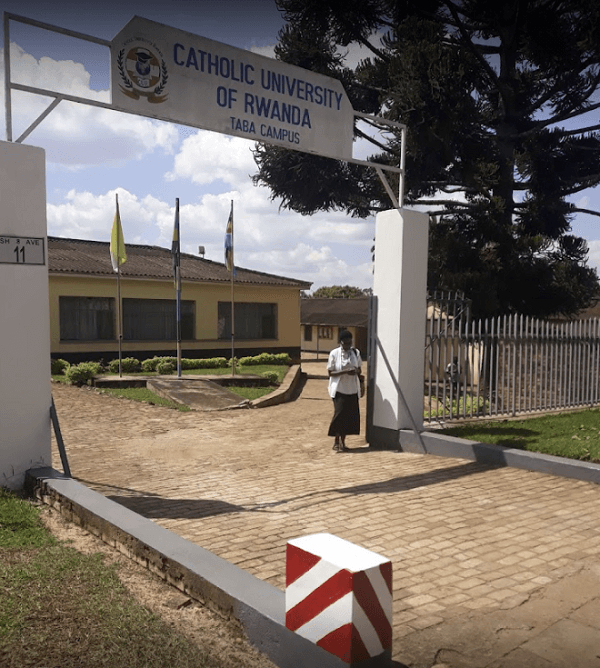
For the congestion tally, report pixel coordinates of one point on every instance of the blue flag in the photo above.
(175, 247)
(229, 243)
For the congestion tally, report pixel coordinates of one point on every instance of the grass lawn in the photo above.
(62, 609)
(143, 394)
(573, 435)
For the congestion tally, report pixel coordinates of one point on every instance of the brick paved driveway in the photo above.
(465, 539)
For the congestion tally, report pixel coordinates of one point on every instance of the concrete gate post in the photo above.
(25, 395)
(396, 376)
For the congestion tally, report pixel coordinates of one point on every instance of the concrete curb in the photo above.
(284, 392)
(499, 455)
(257, 606)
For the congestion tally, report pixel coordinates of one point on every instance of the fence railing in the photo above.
(506, 366)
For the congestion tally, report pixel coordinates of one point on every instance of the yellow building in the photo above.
(323, 319)
(83, 305)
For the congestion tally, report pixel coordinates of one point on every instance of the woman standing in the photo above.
(345, 387)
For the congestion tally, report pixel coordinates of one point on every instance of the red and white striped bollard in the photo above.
(339, 595)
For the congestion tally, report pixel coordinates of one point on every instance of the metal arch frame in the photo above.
(9, 86)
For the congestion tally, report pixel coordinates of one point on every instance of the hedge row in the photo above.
(266, 358)
(80, 374)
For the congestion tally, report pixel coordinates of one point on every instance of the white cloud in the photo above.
(65, 76)
(267, 51)
(205, 157)
(75, 135)
(318, 265)
(87, 216)
(265, 240)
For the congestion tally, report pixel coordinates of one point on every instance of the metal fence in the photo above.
(506, 366)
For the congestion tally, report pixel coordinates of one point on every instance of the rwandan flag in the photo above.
(175, 247)
(117, 243)
(229, 243)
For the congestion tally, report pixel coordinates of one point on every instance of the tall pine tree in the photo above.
(497, 97)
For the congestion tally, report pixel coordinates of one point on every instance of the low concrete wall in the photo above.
(498, 455)
(257, 606)
(284, 392)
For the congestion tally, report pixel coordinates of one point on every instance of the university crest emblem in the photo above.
(143, 73)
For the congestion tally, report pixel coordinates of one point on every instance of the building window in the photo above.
(252, 321)
(156, 320)
(87, 318)
(308, 332)
(326, 332)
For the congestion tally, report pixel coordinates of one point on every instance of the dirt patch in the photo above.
(223, 640)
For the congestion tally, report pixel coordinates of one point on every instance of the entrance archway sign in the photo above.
(172, 75)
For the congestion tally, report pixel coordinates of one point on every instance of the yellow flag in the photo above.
(117, 244)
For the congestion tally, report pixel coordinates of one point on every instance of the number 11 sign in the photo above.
(22, 250)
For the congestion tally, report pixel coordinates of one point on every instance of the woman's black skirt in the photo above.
(346, 416)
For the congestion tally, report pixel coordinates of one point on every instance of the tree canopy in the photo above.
(340, 292)
(497, 98)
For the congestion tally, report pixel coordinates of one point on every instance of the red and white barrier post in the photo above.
(339, 595)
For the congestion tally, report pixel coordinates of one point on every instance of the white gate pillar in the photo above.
(400, 290)
(25, 395)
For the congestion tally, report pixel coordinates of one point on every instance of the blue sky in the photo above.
(93, 153)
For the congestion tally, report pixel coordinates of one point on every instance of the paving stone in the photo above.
(467, 541)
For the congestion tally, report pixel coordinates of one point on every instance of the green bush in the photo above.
(150, 364)
(128, 365)
(81, 374)
(271, 376)
(266, 358)
(165, 368)
(58, 367)
(209, 363)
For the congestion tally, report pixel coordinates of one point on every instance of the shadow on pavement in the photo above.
(153, 506)
(176, 508)
(420, 480)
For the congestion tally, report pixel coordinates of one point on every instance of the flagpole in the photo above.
(117, 257)
(119, 319)
(232, 298)
(178, 283)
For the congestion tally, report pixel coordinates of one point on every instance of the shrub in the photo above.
(271, 376)
(209, 363)
(266, 358)
(165, 367)
(81, 374)
(150, 364)
(58, 367)
(96, 367)
(128, 365)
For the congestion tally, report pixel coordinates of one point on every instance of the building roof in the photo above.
(92, 258)
(337, 312)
